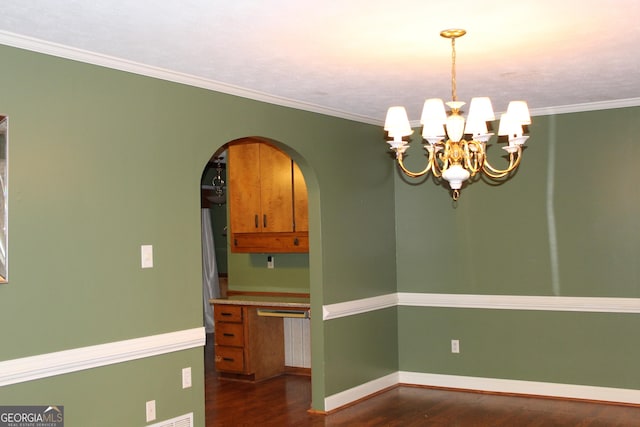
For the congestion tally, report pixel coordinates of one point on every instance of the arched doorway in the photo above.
(214, 175)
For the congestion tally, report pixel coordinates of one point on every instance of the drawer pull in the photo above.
(264, 221)
(224, 313)
(228, 359)
(256, 220)
(226, 334)
(296, 242)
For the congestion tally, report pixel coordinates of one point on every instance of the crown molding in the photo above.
(589, 106)
(571, 108)
(67, 52)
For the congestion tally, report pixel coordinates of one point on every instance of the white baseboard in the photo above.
(496, 385)
(363, 390)
(77, 359)
(568, 391)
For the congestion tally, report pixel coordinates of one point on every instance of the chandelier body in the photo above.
(452, 156)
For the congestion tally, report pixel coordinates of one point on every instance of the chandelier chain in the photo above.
(454, 94)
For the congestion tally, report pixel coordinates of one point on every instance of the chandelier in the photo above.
(456, 148)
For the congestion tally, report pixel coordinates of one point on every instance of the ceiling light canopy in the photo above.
(456, 147)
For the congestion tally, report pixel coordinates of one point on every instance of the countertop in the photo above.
(262, 301)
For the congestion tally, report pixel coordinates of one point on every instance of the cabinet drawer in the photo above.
(229, 359)
(295, 242)
(227, 313)
(231, 334)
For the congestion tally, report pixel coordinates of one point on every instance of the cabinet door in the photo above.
(267, 200)
(276, 190)
(300, 202)
(244, 188)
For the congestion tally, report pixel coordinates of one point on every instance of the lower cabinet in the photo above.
(247, 346)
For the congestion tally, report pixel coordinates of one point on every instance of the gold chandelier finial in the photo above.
(453, 33)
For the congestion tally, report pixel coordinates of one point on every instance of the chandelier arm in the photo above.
(473, 159)
(481, 158)
(472, 165)
(437, 168)
(416, 174)
(514, 162)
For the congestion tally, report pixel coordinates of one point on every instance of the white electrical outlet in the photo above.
(455, 346)
(151, 410)
(270, 262)
(186, 377)
(146, 255)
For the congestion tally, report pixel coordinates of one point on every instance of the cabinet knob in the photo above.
(296, 242)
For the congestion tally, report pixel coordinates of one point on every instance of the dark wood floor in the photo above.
(284, 401)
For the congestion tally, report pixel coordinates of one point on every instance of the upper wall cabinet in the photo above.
(268, 210)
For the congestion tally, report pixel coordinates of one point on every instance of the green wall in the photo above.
(555, 347)
(125, 386)
(565, 225)
(249, 273)
(104, 161)
(362, 340)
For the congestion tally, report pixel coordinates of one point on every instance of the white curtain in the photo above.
(210, 283)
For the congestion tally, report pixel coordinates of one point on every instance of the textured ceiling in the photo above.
(353, 58)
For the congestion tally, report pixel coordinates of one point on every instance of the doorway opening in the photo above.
(226, 274)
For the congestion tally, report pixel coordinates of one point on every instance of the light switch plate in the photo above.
(186, 377)
(146, 254)
(151, 410)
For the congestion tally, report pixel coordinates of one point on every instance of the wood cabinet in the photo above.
(247, 346)
(300, 201)
(268, 210)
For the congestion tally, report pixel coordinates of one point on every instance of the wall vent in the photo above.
(181, 421)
